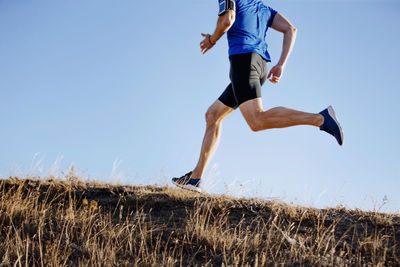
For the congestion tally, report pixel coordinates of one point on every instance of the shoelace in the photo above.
(185, 178)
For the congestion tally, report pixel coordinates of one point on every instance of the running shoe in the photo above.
(188, 183)
(331, 124)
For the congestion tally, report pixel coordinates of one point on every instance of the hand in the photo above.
(205, 45)
(275, 74)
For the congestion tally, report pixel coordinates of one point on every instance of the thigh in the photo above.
(251, 109)
(219, 110)
(246, 74)
(264, 74)
(228, 98)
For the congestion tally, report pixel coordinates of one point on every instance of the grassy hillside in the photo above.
(69, 222)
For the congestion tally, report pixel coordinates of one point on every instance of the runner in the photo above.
(246, 23)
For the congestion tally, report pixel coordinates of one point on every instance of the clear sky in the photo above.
(119, 89)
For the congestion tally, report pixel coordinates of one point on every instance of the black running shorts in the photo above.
(248, 73)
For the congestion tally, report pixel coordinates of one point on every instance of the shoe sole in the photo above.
(333, 116)
(188, 187)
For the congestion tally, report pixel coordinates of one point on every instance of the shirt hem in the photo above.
(267, 59)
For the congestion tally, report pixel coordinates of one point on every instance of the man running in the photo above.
(246, 23)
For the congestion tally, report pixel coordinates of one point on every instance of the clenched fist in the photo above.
(275, 74)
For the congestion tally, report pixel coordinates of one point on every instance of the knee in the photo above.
(254, 124)
(211, 116)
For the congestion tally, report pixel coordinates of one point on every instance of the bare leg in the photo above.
(214, 116)
(278, 117)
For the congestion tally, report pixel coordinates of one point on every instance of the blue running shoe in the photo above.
(185, 182)
(331, 124)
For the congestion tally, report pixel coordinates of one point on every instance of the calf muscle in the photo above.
(278, 117)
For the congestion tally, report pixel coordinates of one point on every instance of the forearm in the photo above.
(224, 23)
(289, 37)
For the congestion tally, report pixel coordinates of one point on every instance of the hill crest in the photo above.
(72, 222)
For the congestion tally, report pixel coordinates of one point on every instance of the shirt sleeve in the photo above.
(273, 13)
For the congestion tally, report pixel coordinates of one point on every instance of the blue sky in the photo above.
(119, 89)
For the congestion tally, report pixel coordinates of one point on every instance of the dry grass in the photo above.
(69, 222)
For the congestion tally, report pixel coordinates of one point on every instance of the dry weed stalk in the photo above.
(73, 223)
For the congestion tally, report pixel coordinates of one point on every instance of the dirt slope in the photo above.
(68, 222)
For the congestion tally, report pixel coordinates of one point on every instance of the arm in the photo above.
(224, 23)
(283, 25)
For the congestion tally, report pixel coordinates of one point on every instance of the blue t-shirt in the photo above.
(248, 32)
